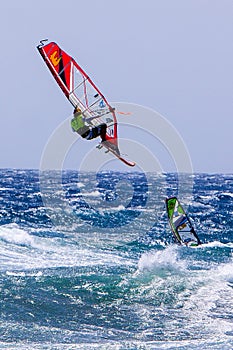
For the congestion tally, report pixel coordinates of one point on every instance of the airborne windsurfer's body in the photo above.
(78, 125)
(97, 117)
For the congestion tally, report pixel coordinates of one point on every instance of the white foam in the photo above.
(217, 244)
(167, 258)
(118, 208)
(13, 234)
(209, 295)
(227, 194)
(91, 194)
(20, 250)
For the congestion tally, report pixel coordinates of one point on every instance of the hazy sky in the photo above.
(173, 56)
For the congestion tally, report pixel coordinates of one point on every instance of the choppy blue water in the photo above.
(87, 261)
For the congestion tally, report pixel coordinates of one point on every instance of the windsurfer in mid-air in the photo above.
(78, 125)
(96, 119)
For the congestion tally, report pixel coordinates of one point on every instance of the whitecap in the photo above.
(13, 234)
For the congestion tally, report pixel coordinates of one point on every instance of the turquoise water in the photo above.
(88, 262)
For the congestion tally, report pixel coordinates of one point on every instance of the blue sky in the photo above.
(172, 56)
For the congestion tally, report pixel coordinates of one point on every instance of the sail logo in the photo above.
(102, 104)
(55, 59)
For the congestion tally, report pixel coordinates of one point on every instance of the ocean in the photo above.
(88, 261)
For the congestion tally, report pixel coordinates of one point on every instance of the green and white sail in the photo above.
(180, 223)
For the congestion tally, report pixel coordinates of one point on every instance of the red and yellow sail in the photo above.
(79, 88)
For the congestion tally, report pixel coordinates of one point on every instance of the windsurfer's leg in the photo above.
(99, 131)
(84, 132)
(103, 128)
(95, 132)
(89, 135)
